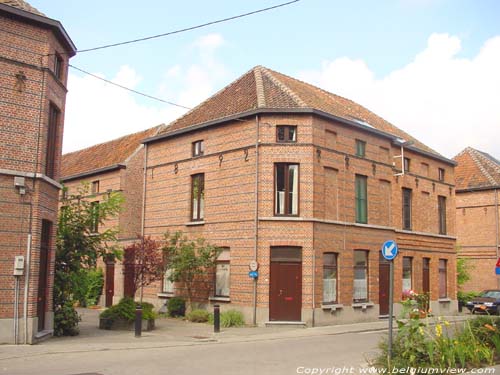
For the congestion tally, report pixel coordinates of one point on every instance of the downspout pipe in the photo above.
(143, 218)
(256, 223)
(497, 231)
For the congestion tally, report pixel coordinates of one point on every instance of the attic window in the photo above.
(286, 134)
(198, 148)
(95, 187)
(441, 173)
(58, 66)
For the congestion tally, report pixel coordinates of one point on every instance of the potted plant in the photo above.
(122, 316)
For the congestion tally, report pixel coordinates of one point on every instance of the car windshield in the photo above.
(491, 294)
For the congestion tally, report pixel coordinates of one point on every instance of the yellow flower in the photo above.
(446, 323)
(421, 330)
(439, 330)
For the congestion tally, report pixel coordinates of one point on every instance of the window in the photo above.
(95, 187)
(407, 262)
(286, 134)
(360, 148)
(360, 293)
(58, 66)
(167, 285)
(50, 156)
(361, 200)
(94, 210)
(329, 278)
(406, 164)
(407, 208)
(222, 273)
(286, 188)
(198, 148)
(443, 278)
(197, 196)
(442, 214)
(441, 173)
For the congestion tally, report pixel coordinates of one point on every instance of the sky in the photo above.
(430, 67)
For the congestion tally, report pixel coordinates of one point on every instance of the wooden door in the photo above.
(426, 280)
(383, 286)
(110, 282)
(43, 272)
(128, 274)
(285, 295)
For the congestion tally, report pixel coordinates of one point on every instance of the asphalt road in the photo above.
(274, 357)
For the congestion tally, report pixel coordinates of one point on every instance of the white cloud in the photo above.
(445, 101)
(97, 111)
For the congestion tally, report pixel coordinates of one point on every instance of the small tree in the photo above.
(78, 247)
(189, 262)
(146, 259)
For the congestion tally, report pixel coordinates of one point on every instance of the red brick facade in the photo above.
(30, 88)
(239, 196)
(477, 215)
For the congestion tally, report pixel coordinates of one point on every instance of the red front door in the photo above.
(383, 286)
(110, 282)
(128, 274)
(285, 295)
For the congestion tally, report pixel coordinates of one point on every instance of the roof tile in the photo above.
(105, 154)
(264, 88)
(20, 4)
(476, 169)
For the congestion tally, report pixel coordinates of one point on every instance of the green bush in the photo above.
(464, 297)
(88, 284)
(176, 306)
(66, 320)
(198, 316)
(230, 318)
(125, 309)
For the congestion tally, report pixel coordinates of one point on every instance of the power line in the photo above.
(189, 28)
(128, 89)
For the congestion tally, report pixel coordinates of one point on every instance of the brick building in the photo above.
(309, 185)
(34, 55)
(477, 178)
(114, 166)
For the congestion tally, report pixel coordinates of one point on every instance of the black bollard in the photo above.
(216, 318)
(138, 320)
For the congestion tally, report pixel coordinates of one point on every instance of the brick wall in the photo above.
(23, 143)
(476, 237)
(326, 212)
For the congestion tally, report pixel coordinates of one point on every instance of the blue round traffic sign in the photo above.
(389, 249)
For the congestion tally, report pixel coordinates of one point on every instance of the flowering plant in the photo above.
(416, 304)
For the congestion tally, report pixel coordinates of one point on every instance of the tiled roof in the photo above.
(476, 169)
(20, 4)
(264, 88)
(103, 155)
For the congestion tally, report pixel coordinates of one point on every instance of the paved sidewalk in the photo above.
(175, 332)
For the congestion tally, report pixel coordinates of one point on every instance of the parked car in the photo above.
(488, 301)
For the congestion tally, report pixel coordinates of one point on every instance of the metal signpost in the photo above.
(389, 252)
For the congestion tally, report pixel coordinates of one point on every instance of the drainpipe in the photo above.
(497, 229)
(313, 284)
(143, 219)
(256, 223)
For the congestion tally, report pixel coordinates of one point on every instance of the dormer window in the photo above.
(286, 134)
(198, 148)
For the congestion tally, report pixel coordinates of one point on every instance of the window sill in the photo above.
(165, 295)
(362, 305)
(219, 299)
(332, 306)
(193, 223)
(444, 300)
